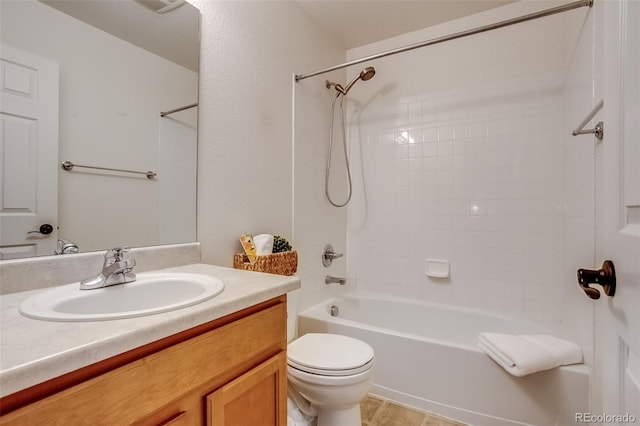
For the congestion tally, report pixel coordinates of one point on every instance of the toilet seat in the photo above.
(329, 355)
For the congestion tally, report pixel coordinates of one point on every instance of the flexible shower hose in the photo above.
(346, 156)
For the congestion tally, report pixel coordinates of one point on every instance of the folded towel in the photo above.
(525, 354)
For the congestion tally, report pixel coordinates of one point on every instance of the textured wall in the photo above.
(250, 51)
(248, 57)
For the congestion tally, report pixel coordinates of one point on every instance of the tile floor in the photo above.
(380, 412)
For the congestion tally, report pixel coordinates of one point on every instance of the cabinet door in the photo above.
(257, 398)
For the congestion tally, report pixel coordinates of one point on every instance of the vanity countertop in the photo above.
(33, 351)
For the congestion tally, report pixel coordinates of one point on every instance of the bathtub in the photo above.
(426, 356)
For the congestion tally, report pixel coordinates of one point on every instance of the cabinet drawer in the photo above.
(135, 390)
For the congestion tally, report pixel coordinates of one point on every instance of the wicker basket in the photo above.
(284, 263)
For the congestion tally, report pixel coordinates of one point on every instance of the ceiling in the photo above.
(174, 35)
(359, 22)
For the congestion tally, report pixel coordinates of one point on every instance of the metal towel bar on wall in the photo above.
(165, 113)
(68, 166)
(598, 130)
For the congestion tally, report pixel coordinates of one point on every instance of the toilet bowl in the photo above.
(329, 374)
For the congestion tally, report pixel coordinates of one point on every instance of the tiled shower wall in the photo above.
(458, 153)
(473, 177)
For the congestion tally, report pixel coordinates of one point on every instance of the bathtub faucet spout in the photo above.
(330, 280)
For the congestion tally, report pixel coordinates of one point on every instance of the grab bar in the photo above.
(68, 166)
(598, 130)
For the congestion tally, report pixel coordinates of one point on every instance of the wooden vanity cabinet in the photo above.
(251, 399)
(231, 371)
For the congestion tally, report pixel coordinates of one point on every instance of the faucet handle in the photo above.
(116, 254)
(328, 255)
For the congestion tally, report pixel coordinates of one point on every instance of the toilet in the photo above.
(329, 374)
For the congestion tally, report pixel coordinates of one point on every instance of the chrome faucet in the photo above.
(115, 270)
(331, 280)
(66, 247)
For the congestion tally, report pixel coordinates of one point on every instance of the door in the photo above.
(618, 227)
(28, 154)
(257, 398)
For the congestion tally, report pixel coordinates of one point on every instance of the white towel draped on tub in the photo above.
(525, 354)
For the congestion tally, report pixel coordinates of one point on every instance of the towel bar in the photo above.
(68, 166)
(598, 130)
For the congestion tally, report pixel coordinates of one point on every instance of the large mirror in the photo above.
(85, 82)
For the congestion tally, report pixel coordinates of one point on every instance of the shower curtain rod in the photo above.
(529, 17)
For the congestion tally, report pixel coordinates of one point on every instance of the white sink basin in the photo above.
(151, 293)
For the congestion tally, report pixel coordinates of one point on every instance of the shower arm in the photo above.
(341, 90)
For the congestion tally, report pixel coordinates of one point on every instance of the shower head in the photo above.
(365, 74)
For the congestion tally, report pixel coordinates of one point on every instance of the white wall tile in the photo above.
(475, 195)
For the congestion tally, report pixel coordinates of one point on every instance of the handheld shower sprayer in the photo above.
(365, 74)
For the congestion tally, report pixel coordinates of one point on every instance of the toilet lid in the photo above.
(329, 354)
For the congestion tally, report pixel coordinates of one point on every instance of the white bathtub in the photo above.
(427, 357)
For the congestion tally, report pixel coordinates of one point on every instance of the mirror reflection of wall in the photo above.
(111, 93)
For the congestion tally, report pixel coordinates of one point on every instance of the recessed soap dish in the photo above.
(437, 268)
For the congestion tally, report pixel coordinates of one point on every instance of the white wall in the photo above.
(178, 163)
(462, 156)
(98, 210)
(250, 51)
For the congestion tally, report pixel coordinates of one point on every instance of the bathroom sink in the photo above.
(151, 293)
